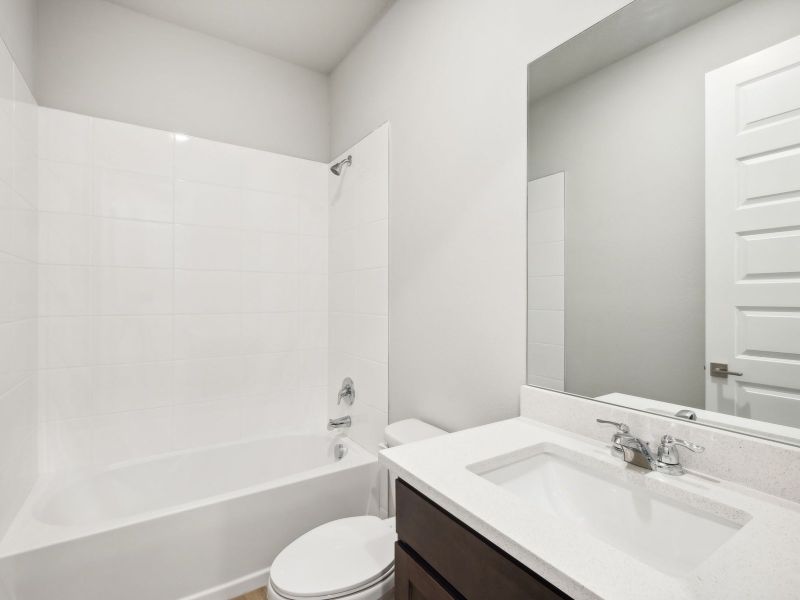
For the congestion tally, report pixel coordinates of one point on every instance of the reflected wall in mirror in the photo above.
(664, 213)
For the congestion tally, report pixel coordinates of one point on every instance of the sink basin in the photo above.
(664, 533)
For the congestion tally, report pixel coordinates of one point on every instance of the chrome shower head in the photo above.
(339, 166)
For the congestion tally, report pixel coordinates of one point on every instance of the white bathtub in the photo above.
(204, 524)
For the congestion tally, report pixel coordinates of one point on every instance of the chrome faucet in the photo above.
(340, 423)
(668, 459)
(637, 452)
(620, 435)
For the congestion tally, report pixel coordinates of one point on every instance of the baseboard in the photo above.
(234, 588)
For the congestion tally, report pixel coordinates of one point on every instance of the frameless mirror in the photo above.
(664, 213)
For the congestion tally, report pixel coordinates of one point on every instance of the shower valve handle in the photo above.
(347, 392)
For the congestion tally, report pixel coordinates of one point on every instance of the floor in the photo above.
(259, 594)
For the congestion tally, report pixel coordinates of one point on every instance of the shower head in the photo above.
(339, 166)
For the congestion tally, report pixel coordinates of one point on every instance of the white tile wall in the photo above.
(546, 282)
(18, 289)
(183, 291)
(358, 293)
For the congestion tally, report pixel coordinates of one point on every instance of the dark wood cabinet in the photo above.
(416, 581)
(438, 556)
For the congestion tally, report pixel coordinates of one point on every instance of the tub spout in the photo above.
(340, 423)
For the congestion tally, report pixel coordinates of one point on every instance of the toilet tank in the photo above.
(409, 430)
(396, 434)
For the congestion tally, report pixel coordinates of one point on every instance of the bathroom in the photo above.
(320, 300)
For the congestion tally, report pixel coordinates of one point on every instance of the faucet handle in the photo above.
(668, 460)
(347, 392)
(620, 435)
(669, 441)
(621, 427)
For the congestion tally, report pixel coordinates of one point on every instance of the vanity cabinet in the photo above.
(437, 557)
(414, 580)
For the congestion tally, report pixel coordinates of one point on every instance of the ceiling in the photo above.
(625, 32)
(316, 34)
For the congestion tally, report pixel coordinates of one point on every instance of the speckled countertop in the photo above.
(761, 561)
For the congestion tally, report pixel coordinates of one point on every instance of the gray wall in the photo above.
(103, 60)
(450, 76)
(631, 140)
(18, 31)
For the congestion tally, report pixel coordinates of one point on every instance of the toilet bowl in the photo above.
(350, 558)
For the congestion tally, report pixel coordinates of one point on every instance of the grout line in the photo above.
(173, 178)
(21, 259)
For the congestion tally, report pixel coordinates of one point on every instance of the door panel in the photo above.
(753, 234)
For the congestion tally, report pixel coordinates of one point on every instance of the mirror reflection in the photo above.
(664, 213)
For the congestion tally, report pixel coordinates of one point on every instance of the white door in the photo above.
(753, 235)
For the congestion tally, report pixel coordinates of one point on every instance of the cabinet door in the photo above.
(468, 562)
(413, 581)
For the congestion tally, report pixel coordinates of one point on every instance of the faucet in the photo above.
(340, 423)
(620, 435)
(668, 459)
(637, 452)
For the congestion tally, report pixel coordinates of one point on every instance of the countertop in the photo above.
(761, 561)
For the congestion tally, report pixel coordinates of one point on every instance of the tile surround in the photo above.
(358, 292)
(18, 289)
(183, 291)
(545, 359)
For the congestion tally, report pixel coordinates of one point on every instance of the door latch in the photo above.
(721, 370)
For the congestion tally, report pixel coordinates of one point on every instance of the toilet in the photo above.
(350, 558)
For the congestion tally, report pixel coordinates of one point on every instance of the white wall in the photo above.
(359, 287)
(106, 61)
(18, 255)
(18, 31)
(451, 79)
(182, 291)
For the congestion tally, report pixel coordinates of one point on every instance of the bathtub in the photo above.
(198, 525)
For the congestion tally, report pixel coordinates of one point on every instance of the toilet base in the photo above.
(382, 590)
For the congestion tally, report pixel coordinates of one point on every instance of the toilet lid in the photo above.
(336, 558)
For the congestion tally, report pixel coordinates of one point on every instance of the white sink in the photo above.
(657, 530)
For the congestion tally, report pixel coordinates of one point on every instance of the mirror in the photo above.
(664, 213)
